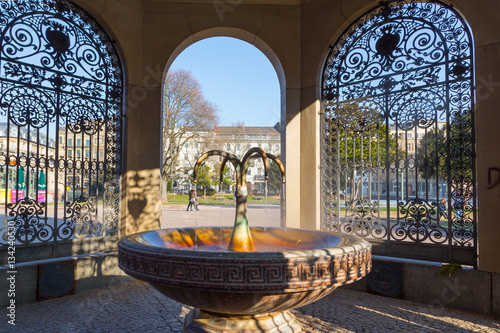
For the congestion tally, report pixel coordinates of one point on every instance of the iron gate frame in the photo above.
(71, 86)
(379, 38)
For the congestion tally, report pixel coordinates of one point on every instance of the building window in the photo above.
(70, 142)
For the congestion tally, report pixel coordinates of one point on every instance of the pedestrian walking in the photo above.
(442, 209)
(193, 200)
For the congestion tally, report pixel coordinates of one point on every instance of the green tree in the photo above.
(361, 144)
(361, 138)
(97, 188)
(227, 178)
(371, 149)
(204, 177)
(461, 147)
(275, 180)
(431, 154)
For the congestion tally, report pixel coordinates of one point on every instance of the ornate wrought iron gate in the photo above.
(60, 126)
(398, 138)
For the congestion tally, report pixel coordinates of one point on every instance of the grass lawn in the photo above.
(226, 199)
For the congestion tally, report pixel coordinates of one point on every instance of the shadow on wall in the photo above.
(96, 263)
(141, 192)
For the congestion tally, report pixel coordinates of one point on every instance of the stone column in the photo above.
(488, 154)
(291, 157)
(141, 199)
(483, 20)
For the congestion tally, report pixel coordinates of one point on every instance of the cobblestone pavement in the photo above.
(137, 307)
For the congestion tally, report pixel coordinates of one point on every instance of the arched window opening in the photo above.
(61, 87)
(218, 120)
(398, 139)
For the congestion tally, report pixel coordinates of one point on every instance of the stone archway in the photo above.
(237, 33)
(263, 47)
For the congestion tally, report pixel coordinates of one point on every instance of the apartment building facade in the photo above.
(236, 140)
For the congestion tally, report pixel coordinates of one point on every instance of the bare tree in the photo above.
(187, 118)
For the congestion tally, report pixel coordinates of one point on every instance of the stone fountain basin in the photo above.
(291, 268)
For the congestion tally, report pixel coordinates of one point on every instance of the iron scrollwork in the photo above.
(362, 219)
(404, 68)
(29, 221)
(419, 221)
(61, 87)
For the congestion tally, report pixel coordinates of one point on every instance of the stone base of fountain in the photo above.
(202, 321)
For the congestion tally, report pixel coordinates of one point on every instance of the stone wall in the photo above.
(420, 281)
(46, 279)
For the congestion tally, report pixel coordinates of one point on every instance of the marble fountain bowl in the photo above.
(244, 291)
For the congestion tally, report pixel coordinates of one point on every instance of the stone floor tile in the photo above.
(136, 307)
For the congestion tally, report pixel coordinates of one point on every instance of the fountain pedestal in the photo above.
(244, 291)
(279, 322)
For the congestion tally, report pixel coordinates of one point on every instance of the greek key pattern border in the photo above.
(245, 274)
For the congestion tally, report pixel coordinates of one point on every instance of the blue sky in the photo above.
(237, 77)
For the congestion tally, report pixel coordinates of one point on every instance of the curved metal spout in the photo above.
(246, 158)
(241, 239)
(223, 165)
(226, 155)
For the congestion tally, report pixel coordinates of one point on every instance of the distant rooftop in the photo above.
(23, 134)
(253, 130)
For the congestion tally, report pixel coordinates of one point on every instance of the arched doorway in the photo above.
(61, 90)
(236, 135)
(398, 138)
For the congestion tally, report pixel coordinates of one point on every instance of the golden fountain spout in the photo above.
(241, 239)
